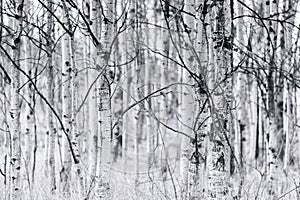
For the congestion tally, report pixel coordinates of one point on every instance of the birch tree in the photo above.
(65, 171)
(165, 15)
(197, 171)
(94, 10)
(187, 99)
(50, 97)
(270, 9)
(15, 162)
(219, 150)
(241, 121)
(74, 147)
(30, 115)
(103, 91)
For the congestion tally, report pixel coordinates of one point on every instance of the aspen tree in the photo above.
(241, 121)
(156, 142)
(296, 91)
(198, 145)
(177, 74)
(187, 98)
(163, 65)
(270, 9)
(149, 85)
(50, 97)
(5, 166)
(30, 126)
(30, 115)
(148, 107)
(219, 150)
(5, 147)
(15, 162)
(242, 124)
(92, 98)
(286, 46)
(103, 90)
(116, 81)
(283, 91)
(87, 65)
(258, 91)
(74, 95)
(65, 172)
(252, 89)
(97, 24)
(126, 97)
(138, 79)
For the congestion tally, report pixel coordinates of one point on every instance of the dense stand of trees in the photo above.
(158, 99)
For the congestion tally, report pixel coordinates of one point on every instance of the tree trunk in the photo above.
(117, 79)
(86, 149)
(66, 113)
(104, 105)
(50, 97)
(74, 114)
(92, 98)
(15, 162)
(241, 122)
(165, 16)
(197, 182)
(271, 132)
(187, 107)
(219, 149)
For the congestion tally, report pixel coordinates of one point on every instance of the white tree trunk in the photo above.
(104, 105)
(74, 114)
(50, 97)
(197, 171)
(163, 65)
(139, 80)
(87, 134)
(296, 91)
(92, 98)
(241, 120)
(15, 161)
(30, 105)
(219, 150)
(66, 113)
(117, 79)
(271, 132)
(286, 46)
(126, 98)
(187, 108)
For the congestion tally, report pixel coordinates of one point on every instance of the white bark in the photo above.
(163, 65)
(271, 132)
(103, 91)
(139, 80)
(219, 152)
(187, 99)
(29, 130)
(286, 45)
(126, 98)
(241, 120)
(296, 91)
(202, 120)
(126, 102)
(117, 80)
(50, 97)
(74, 116)
(15, 162)
(66, 113)
(241, 96)
(86, 147)
(92, 98)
